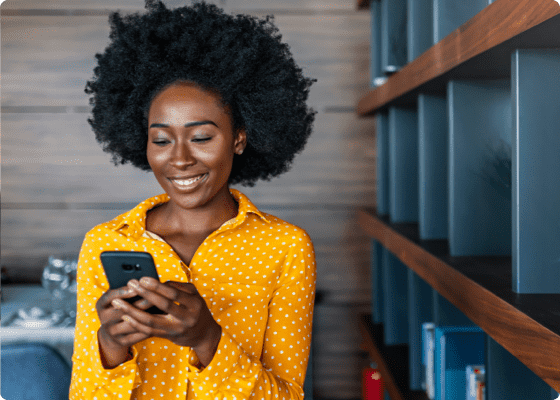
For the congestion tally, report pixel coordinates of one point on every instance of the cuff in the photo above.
(122, 376)
(231, 370)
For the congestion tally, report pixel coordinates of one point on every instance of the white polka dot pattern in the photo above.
(257, 276)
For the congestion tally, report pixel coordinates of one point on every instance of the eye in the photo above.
(201, 139)
(160, 141)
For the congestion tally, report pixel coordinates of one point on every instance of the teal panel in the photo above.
(375, 69)
(377, 281)
(451, 14)
(456, 347)
(445, 313)
(395, 300)
(479, 167)
(403, 165)
(393, 35)
(419, 311)
(507, 378)
(382, 138)
(433, 160)
(536, 171)
(420, 27)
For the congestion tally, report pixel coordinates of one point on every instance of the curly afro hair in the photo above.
(240, 57)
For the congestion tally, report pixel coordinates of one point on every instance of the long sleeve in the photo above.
(234, 374)
(89, 379)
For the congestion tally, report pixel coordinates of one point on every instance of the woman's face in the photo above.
(191, 144)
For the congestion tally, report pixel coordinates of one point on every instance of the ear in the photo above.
(240, 142)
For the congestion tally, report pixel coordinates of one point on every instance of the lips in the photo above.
(188, 183)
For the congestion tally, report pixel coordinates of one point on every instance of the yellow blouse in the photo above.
(257, 275)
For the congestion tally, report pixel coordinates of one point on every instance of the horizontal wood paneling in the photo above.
(58, 183)
(245, 5)
(47, 60)
(55, 158)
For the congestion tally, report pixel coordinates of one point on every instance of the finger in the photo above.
(142, 317)
(167, 299)
(107, 297)
(188, 288)
(156, 286)
(150, 329)
(132, 339)
(121, 328)
(142, 304)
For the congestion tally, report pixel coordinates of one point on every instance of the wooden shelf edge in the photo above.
(533, 344)
(498, 22)
(373, 348)
(363, 4)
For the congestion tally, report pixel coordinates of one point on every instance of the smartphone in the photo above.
(122, 266)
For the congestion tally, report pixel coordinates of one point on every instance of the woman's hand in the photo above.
(115, 336)
(187, 320)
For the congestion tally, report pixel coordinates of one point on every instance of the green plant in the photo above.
(496, 169)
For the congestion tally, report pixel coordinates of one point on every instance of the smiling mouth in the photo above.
(188, 183)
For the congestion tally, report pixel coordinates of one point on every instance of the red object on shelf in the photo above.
(372, 384)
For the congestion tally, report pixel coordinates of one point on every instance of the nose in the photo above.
(182, 157)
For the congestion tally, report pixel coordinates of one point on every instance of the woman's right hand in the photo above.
(115, 336)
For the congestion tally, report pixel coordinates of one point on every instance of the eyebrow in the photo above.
(197, 123)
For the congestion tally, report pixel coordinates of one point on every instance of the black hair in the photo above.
(240, 57)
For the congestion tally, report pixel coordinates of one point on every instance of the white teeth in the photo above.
(186, 182)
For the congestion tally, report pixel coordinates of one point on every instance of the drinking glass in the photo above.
(56, 280)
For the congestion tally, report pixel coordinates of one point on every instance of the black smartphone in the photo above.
(122, 266)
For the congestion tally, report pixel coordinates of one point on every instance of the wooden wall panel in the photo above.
(247, 6)
(48, 59)
(58, 183)
(55, 158)
(61, 6)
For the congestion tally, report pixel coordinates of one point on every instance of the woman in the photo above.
(203, 100)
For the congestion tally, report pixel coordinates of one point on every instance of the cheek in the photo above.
(156, 159)
(218, 157)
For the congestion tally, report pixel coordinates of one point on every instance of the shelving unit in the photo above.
(456, 240)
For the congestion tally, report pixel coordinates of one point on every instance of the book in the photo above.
(476, 382)
(428, 349)
(455, 348)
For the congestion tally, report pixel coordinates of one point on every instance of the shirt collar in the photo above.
(133, 223)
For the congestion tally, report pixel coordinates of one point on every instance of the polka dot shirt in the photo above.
(257, 276)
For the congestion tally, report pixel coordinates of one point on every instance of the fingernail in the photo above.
(133, 283)
(118, 303)
(148, 282)
(126, 318)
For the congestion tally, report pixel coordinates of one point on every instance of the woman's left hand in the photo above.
(187, 320)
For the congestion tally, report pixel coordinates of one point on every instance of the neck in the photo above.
(205, 219)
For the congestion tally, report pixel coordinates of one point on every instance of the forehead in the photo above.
(186, 101)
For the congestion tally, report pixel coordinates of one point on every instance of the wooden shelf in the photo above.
(528, 325)
(363, 4)
(392, 361)
(481, 48)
